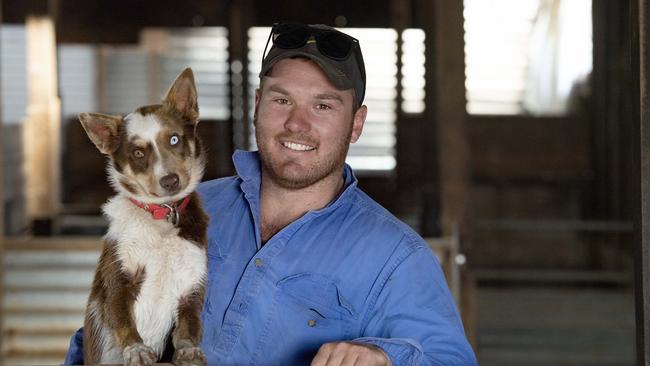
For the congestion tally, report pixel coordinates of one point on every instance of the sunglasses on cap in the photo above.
(331, 43)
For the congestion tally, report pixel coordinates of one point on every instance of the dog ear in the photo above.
(182, 96)
(103, 130)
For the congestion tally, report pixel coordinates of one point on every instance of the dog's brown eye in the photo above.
(137, 153)
(174, 140)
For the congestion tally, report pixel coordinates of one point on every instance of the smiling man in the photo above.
(304, 127)
(304, 268)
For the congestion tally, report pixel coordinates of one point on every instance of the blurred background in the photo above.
(504, 131)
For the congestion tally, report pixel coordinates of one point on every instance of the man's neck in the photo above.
(280, 206)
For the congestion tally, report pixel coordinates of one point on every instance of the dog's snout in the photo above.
(170, 182)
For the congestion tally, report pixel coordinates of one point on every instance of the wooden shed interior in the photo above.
(537, 212)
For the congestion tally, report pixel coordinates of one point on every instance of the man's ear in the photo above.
(357, 123)
(103, 130)
(182, 96)
(258, 97)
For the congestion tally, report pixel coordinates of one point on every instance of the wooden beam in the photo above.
(41, 128)
(54, 243)
(642, 251)
(2, 218)
(445, 141)
(400, 20)
(239, 21)
(448, 109)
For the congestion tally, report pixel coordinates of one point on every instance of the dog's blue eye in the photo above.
(138, 153)
(173, 140)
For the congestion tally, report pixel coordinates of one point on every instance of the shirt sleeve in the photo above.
(414, 317)
(75, 355)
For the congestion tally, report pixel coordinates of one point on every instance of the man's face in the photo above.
(304, 125)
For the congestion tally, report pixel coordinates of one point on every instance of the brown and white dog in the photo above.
(151, 275)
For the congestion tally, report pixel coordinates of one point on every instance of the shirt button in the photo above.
(258, 262)
(311, 323)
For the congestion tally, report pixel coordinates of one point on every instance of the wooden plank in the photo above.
(509, 147)
(555, 325)
(58, 243)
(51, 311)
(445, 52)
(444, 138)
(545, 226)
(553, 276)
(239, 21)
(642, 250)
(2, 219)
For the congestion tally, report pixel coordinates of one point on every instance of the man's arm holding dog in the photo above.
(413, 322)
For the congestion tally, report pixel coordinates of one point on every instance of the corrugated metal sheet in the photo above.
(205, 50)
(118, 79)
(46, 289)
(77, 79)
(375, 149)
(125, 79)
(13, 73)
(413, 70)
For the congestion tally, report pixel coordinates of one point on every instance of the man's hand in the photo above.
(349, 354)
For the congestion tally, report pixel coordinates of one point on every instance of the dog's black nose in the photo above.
(170, 182)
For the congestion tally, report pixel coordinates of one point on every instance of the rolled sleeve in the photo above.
(414, 318)
(400, 351)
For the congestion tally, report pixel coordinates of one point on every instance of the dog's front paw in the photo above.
(189, 356)
(139, 354)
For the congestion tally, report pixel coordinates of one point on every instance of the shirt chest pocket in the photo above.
(314, 305)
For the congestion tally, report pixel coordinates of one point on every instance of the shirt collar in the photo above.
(247, 165)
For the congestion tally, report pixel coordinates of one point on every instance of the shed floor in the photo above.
(555, 326)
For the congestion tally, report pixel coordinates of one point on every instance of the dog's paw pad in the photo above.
(139, 354)
(189, 356)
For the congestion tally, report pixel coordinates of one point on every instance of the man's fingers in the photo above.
(350, 360)
(337, 355)
(349, 354)
(322, 355)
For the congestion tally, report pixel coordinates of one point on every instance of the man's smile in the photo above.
(297, 146)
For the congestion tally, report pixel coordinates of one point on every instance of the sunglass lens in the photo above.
(290, 36)
(335, 45)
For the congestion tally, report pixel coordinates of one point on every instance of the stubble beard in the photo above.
(279, 171)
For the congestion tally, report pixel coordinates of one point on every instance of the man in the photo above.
(304, 268)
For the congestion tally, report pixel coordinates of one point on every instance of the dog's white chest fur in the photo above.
(173, 266)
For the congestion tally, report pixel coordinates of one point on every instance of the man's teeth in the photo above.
(297, 147)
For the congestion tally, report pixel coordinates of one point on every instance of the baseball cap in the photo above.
(337, 54)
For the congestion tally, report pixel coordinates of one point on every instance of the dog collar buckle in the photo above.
(173, 216)
(168, 211)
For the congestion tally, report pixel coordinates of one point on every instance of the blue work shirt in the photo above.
(349, 271)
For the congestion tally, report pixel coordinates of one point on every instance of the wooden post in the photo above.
(239, 21)
(642, 221)
(445, 50)
(41, 128)
(400, 20)
(446, 166)
(2, 220)
(155, 42)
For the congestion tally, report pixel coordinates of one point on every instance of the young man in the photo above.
(304, 268)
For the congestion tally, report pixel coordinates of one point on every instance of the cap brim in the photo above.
(335, 76)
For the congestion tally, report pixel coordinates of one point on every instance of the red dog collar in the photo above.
(170, 211)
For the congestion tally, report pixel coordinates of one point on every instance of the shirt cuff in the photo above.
(75, 352)
(402, 352)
